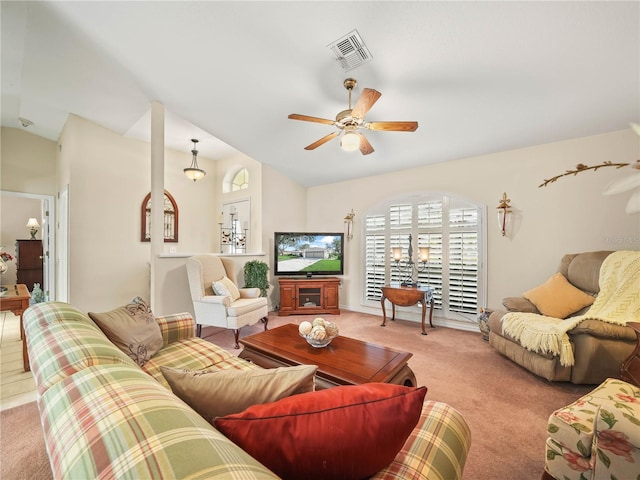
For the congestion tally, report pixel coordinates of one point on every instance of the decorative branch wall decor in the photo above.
(581, 167)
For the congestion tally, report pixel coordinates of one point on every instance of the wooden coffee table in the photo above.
(345, 361)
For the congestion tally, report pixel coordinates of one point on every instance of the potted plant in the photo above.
(255, 276)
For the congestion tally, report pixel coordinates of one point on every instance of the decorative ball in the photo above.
(305, 328)
(318, 333)
(318, 322)
(331, 328)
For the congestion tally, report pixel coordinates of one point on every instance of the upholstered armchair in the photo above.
(597, 437)
(217, 301)
(598, 347)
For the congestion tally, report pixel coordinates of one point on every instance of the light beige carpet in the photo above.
(22, 450)
(506, 406)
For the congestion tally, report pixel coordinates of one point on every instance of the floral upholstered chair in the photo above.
(597, 436)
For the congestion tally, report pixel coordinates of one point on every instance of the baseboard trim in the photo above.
(407, 316)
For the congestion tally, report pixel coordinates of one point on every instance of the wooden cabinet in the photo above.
(301, 295)
(29, 262)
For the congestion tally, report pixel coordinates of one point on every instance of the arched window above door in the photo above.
(240, 180)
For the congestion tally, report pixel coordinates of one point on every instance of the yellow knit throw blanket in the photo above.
(618, 302)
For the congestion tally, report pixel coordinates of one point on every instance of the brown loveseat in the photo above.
(599, 348)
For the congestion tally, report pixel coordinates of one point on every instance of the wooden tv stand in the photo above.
(309, 296)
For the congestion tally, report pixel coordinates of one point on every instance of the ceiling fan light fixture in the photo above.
(350, 141)
(193, 172)
(352, 119)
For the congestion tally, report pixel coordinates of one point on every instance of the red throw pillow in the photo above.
(348, 432)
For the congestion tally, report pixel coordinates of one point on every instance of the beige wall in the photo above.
(27, 162)
(570, 215)
(282, 204)
(109, 176)
(27, 166)
(172, 291)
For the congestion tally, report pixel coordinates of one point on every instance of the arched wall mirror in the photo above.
(170, 227)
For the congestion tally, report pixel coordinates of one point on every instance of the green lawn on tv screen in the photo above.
(323, 266)
(327, 265)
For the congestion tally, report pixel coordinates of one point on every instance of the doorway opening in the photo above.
(17, 208)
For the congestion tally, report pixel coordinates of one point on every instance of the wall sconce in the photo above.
(34, 226)
(504, 214)
(406, 267)
(348, 222)
(194, 172)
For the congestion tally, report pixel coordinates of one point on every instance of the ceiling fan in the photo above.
(350, 120)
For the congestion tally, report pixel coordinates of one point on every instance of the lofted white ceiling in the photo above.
(479, 77)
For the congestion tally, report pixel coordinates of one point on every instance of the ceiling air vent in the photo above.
(350, 51)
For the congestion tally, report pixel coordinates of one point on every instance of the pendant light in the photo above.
(194, 172)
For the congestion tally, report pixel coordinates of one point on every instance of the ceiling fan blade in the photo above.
(306, 118)
(365, 146)
(368, 97)
(393, 126)
(323, 140)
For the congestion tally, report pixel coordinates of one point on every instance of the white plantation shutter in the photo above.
(430, 214)
(375, 268)
(432, 274)
(463, 259)
(463, 272)
(400, 216)
(397, 240)
(375, 256)
(452, 229)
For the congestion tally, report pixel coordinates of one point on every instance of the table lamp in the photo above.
(33, 225)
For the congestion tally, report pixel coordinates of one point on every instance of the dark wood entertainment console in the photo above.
(303, 295)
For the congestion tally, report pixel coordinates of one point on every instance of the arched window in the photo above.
(240, 180)
(452, 228)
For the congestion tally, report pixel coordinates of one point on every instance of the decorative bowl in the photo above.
(318, 343)
(319, 333)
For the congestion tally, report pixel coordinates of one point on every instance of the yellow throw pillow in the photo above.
(557, 297)
(216, 393)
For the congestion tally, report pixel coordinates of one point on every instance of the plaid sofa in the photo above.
(105, 417)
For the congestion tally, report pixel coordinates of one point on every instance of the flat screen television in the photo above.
(308, 253)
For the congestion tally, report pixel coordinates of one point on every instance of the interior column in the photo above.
(157, 191)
